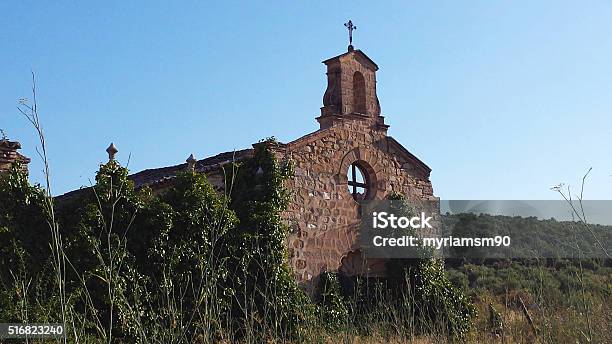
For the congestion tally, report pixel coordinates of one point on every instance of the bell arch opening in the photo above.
(359, 93)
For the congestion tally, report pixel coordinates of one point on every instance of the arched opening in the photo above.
(358, 182)
(359, 93)
(355, 264)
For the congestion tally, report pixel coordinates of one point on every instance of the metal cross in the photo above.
(350, 28)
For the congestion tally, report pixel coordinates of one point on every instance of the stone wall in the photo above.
(9, 155)
(323, 214)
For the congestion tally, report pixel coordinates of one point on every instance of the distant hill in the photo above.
(530, 237)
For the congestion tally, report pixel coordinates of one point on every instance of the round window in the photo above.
(357, 182)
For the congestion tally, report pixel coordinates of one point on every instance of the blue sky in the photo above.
(501, 99)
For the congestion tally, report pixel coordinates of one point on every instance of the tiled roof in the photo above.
(5, 143)
(157, 175)
(359, 52)
(154, 175)
(9, 153)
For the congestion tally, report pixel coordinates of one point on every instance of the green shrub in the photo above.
(333, 310)
(25, 267)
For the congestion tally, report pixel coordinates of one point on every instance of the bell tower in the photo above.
(351, 89)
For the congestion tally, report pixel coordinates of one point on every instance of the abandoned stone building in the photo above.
(350, 158)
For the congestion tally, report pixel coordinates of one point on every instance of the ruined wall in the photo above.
(323, 214)
(9, 155)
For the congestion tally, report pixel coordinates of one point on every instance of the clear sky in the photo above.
(501, 99)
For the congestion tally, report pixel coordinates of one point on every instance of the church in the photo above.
(349, 159)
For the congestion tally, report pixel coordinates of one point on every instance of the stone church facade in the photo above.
(350, 158)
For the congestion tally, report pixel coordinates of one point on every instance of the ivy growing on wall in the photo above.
(264, 281)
